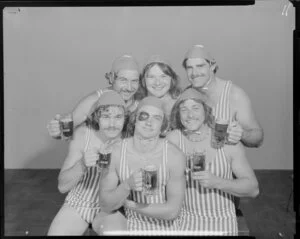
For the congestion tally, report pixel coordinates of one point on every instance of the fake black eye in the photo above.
(143, 116)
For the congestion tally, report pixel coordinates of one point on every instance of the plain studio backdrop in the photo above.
(54, 56)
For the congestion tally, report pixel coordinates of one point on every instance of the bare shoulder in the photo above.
(175, 155)
(237, 93)
(79, 134)
(173, 137)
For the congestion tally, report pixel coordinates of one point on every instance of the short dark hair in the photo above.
(174, 88)
(209, 62)
(175, 114)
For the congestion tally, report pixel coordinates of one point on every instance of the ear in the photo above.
(111, 78)
(213, 66)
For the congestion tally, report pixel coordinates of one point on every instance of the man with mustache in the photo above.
(123, 78)
(80, 174)
(147, 214)
(227, 101)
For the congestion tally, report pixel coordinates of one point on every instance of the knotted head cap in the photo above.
(125, 62)
(152, 101)
(109, 97)
(198, 51)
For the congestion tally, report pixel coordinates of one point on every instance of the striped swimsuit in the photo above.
(138, 224)
(211, 211)
(208, 211)
(84, 197)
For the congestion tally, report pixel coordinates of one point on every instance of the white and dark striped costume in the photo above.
(84, 197)
(138, 224)
(210, 211)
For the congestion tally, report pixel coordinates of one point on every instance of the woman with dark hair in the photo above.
(160, 80)
(208, 207)
(80, 174)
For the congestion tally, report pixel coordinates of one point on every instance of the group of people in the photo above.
(144, 118)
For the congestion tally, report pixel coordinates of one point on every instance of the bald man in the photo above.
(226, 100)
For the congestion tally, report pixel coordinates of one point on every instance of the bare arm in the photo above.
(112, 194)
(252, 135)
(245, 184)
(175, 190)
(73, 167)
(82, 109)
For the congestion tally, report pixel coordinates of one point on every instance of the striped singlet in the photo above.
(84, 197)
(210, 211)
(222, 108)
(138, 224)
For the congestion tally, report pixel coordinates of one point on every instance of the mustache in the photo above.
(196, 76)
(112, 128)
(128, 91)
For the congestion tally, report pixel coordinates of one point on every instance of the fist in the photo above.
(54, 127)
(135, 181)
(235, 132)
(90, 157)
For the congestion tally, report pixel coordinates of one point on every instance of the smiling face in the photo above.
(199, 71)
(126, 83)
(111, 121)
(149, 121)
(192, 114)
(158, 83)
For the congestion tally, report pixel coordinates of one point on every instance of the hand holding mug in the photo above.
(91, 156)
(135, 181)
(53, 127)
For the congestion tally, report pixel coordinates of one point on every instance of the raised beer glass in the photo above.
(150, 180)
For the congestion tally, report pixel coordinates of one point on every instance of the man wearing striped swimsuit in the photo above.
(208, 207)
(80, 173)
(225, 99)
(123, 78)
(154, 214)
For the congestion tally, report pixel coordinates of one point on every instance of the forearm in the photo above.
(69, 178)
(81, 111)
(241, 187)
(252, 138)
(114, 199)
(165, 211)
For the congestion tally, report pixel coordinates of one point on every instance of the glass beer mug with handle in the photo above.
(219, 133)
(198, 159)
(150, 179)
(66, 126)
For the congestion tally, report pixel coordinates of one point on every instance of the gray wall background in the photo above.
(55, 56)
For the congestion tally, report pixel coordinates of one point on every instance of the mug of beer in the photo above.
(66, 126)
(198, 161)
(104, 160)
(150, 180)
(219, 133)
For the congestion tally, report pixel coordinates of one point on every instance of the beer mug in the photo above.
(104, 160)
(66, 126)
(198, 161)
(219, 133)
(150, 180)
